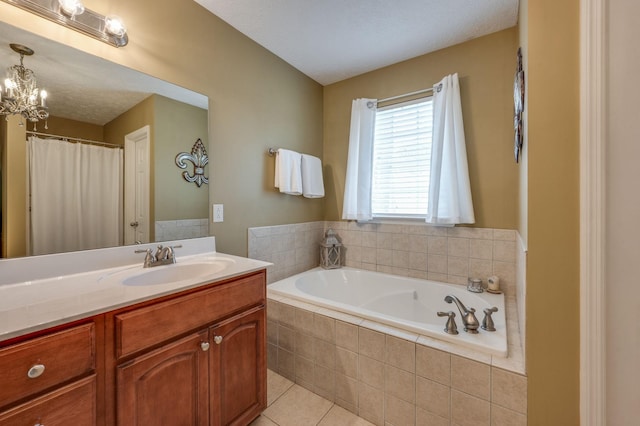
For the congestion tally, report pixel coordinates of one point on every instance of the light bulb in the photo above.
(43, 98)
(114, 26)
(71, 8)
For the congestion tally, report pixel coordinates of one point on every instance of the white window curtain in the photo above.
(76, 196)
(357, 189)
(449, 189)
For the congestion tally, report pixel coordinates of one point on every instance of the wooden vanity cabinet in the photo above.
(50, 379)
(194, 359)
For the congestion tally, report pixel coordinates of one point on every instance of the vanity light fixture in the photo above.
(20, 95)
(73, 14)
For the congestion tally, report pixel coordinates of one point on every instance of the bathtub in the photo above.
(406, 303)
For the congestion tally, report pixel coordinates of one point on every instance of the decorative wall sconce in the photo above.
(330, 251)
(73, 14)
(199, 159)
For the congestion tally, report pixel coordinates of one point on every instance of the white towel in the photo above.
(288, 176)
(312, 184)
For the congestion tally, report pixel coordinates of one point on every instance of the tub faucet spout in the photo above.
(469, 319)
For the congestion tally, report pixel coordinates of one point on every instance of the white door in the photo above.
(137, 177)
(622, 212)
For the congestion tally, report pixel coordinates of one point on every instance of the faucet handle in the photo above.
(148, 259)
(451, 327)
(487, 322)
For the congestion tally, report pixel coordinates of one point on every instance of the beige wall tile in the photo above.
(437, 245)
(399, 412)
(325, 354)
(304, 370)
(273, 310)
(418, 243)
(287, 315)
(346, 362)
(504, 417)
(458, 247)
(286, 364)
(347, 389)
(509, 390)
(401, 353)
(401, 259)
(272, 357)
(433, 397)
(467, 410)
(325, 382)
(369, 255)
(305, 345)
(504, 234)
(286, 338)
(272, 332)
(480, 268)
(340, 416)
(384, 257)
(437, 263)
(458, 266)
(347, 335)
(504, 251)
(425, 418)
(401, 242)
(471, 377)
(481, 249)
(433, 364)
(324, 328)
(371, 343)
(418, 260)
(369, 239)
(400, 383)
(371, 372)
(371, 404)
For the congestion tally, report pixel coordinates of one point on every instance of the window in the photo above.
(401, 159)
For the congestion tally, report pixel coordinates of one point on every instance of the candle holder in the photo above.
(330, 250)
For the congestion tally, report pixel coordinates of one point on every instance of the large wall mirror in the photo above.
(139, 122)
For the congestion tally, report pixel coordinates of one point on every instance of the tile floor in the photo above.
(289, 404)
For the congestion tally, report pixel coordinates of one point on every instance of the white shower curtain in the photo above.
(357, 189)
(449, 188)
(76, 196)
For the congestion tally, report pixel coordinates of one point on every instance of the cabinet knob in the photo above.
(204, 346)
(217, 339)
(35, 371)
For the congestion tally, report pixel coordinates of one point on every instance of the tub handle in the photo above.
(487, 322)
(451, 327)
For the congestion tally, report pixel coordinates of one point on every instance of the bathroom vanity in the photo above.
(192, 354)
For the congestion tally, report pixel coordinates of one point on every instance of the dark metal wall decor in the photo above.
(518, 103)
(199, 159)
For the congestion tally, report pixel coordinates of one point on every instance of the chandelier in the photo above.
(20, 95)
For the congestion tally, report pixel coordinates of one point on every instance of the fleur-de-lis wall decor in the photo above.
(199, 158)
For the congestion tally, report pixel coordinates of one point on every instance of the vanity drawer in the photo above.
(74, 404)
(151, 325)
(51, 360)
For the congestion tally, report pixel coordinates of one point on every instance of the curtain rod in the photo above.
(417, 92)
(67, 138)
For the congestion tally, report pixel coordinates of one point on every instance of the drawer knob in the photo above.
(35, 371)
(204, 346)
(217, 339)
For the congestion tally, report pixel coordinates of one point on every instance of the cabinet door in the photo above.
(238, 369)
(168, 386)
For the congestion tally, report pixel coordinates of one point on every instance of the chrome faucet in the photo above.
(162, 256)
(469, 319)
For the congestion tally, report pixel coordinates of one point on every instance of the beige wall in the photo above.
(486, 67)
(177, 127)
(72, 128)
(256, 101)
(552, 305)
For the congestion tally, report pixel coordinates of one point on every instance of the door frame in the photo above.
(593, 128)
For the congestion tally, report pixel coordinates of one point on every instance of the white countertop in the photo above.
(29, 305)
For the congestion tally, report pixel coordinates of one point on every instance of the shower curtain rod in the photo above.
(67, 138)
(417, 92)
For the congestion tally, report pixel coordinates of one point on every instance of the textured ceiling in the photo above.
(331, 40)
(84, 87)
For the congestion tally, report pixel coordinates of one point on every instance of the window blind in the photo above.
(401, 159)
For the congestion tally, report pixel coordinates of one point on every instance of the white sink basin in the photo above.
(172, 273)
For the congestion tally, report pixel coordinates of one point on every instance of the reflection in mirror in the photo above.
(139, 121)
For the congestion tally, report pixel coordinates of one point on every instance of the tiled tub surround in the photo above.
(181, 229)
(291, 248)
(389, 376)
